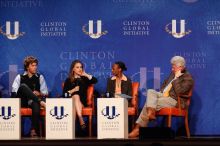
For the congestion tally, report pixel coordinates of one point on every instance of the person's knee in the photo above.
(76, 97)
(23, 86)
(150, 91)
(23, 89)
(161, 101)
(165, 102)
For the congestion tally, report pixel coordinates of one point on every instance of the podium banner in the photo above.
(10, 128)
(112, 115)
(60, 118)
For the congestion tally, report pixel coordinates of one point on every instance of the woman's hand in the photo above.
(86, 75)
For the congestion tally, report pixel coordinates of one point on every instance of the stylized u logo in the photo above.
(110, 114)
(8, 34)
(58, 113)
(99, 29)
(6, 113)
(182, 29)
(174, 32)
(16, 30)
(61, 112)
(91, 33)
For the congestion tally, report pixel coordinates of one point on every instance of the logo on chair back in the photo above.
(110, 113)
(58, 112)
(8, 34)
(91, 33)
(6, 113)
(174, 33)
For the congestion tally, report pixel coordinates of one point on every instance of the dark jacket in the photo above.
(181, 85)
(83, 84)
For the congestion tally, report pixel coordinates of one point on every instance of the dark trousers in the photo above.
(29, 99)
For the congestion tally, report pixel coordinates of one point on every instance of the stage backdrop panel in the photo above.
(139, 32)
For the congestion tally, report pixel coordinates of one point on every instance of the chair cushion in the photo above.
(87, 111)
(28, 112)
(171, 111)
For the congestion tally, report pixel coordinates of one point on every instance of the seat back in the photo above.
(134, 100)
(90, 95)
(186, 96)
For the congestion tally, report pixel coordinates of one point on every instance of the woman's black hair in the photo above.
(121, 65)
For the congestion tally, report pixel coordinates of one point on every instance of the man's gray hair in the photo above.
(178, 61)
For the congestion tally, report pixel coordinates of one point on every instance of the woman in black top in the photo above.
(76, 85)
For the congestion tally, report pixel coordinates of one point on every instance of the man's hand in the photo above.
(178, 74)
(37, 93)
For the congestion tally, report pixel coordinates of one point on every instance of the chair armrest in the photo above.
(184, 96)
(90, 95)
(134, 100)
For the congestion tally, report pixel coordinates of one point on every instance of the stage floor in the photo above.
(178, 141)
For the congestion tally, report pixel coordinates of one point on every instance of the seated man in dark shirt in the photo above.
(31, 88)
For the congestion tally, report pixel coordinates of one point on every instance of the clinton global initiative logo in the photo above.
(58, 112)
(173, 29)
(99, 63)
(195, 59)
(6, 113)
(110, 113)
(213, 27)
(8, 30)
(90, 32)
(136, 28)
(53, 29)
(21, 3)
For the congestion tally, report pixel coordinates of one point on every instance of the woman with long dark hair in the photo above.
(76, 85)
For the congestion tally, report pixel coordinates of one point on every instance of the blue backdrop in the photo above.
(138, 32)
